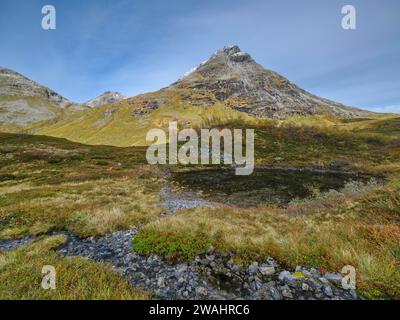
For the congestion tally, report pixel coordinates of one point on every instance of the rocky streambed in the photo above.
(14, 243)
(174, 202)
(210, 276)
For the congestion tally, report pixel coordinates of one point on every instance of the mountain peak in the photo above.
(234, 53)
(238, 81)
(223, 61)
(229, 50)
(106, 98)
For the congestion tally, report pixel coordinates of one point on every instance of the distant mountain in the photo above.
(15, 84)
(229, 87)
(25, 103)
(106, 98)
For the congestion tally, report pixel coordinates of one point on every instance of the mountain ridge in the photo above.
(228, 87)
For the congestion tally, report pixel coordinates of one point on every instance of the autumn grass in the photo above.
(358, 226)
(326, 147)
(54, 184)
(51, 184)
(76, 278)
(12, 123)
(120, 125)
(84, 208)
(384, 124)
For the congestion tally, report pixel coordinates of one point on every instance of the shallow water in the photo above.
(264, 186)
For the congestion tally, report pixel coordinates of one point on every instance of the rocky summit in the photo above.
(107, 97)
(235, 79)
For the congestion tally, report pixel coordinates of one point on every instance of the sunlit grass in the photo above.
(53, 184)
(356, 227)
(50, 184)
(76, 278)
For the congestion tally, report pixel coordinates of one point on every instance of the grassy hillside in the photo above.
(328, 147)
(27, 114)
(49, 184)
(127, 123)
(52, 184)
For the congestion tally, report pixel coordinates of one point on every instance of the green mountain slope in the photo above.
(127, 123)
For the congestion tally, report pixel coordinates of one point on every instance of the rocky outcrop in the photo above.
(107, 97)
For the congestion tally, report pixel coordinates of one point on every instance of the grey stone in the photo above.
(286, 292)
(253, 268)
(315, 273)
(305, 286)
(335, 278)
(202, 291)
(161, 282)
(267, 270)
(328, 291)
(276, 295)
(284, 275)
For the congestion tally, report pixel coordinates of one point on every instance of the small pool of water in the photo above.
(264, 186)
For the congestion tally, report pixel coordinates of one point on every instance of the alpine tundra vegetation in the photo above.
(77, 192)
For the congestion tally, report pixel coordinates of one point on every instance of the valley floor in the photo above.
(51, 189)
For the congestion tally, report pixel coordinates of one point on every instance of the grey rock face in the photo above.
(107, 97)
(229, 50)
(232, 76)
(23, 111)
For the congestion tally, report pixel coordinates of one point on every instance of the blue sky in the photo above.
(136, 46)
